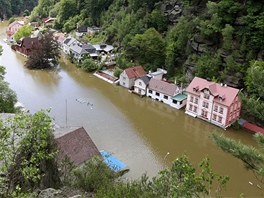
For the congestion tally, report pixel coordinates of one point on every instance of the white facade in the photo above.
(125, 81)
(169, 100)
(140, 87)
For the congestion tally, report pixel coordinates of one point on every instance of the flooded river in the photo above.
(139, 131)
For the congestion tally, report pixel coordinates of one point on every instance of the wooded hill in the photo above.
(10, 8)
(217, 40)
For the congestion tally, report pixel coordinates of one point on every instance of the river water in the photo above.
(138, 131)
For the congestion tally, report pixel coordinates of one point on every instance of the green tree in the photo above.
(255, 78)
(208, 66)
(7, 96)
(27, 153)
(24, 31)
(88, 64)
(45, 54)
(227, 33)
(252, 158)
(147, 49)
(26, 13)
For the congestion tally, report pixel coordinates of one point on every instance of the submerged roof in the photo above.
(222, 94)
(112, 162)
(77, 145)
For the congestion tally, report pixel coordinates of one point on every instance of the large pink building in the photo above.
(213, 102)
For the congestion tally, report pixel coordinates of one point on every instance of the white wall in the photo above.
(140, 89)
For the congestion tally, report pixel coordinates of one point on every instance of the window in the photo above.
(196, 100)
(150, 91)
(221, 110)
(204, 113)
(205, 104)
(180, 102)
(139, 83)
(165, 97)
(190, 107)
(124, 84)
(215, 108)
(174, 101)
(220, 119)
(206, 96)
(191, 99)
(124, 78)
(214, 117)
(157, 94)
(195, 109)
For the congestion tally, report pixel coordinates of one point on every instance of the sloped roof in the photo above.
(29, 43)
(135, 72)
(77, 145)
(78, 49)
(68, 41)
(105, 47)
(82, 29)
(16, 22)
(163, 87)
(88, 46)
(227, 93)
(145, 79)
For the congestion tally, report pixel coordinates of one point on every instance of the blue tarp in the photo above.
(112, 162)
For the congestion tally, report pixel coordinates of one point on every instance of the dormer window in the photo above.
(206, 96)
(222, 98)
(196, 88)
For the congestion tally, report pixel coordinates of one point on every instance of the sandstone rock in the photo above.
(50, 193)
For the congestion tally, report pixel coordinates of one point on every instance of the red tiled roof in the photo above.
(135, 72)
(77, 145)
(227, 93)
(163, 87)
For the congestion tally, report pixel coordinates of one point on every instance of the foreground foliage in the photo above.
(7, 96)
(252, 158)
(27, 153)
(181, 180)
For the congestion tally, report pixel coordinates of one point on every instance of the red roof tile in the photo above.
(228, 94)
(77, 145)
(160, 86)
(135, 72)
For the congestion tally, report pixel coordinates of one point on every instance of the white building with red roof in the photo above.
(167, 93)
(213, 102)
(128, 76)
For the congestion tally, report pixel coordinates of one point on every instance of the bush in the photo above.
(89, 65)
(94, 175)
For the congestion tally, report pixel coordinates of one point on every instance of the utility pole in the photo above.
(66, 113)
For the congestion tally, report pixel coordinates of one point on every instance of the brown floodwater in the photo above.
(139, 131)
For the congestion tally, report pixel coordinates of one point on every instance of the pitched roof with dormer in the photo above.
(222, 94)
(166, 88)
